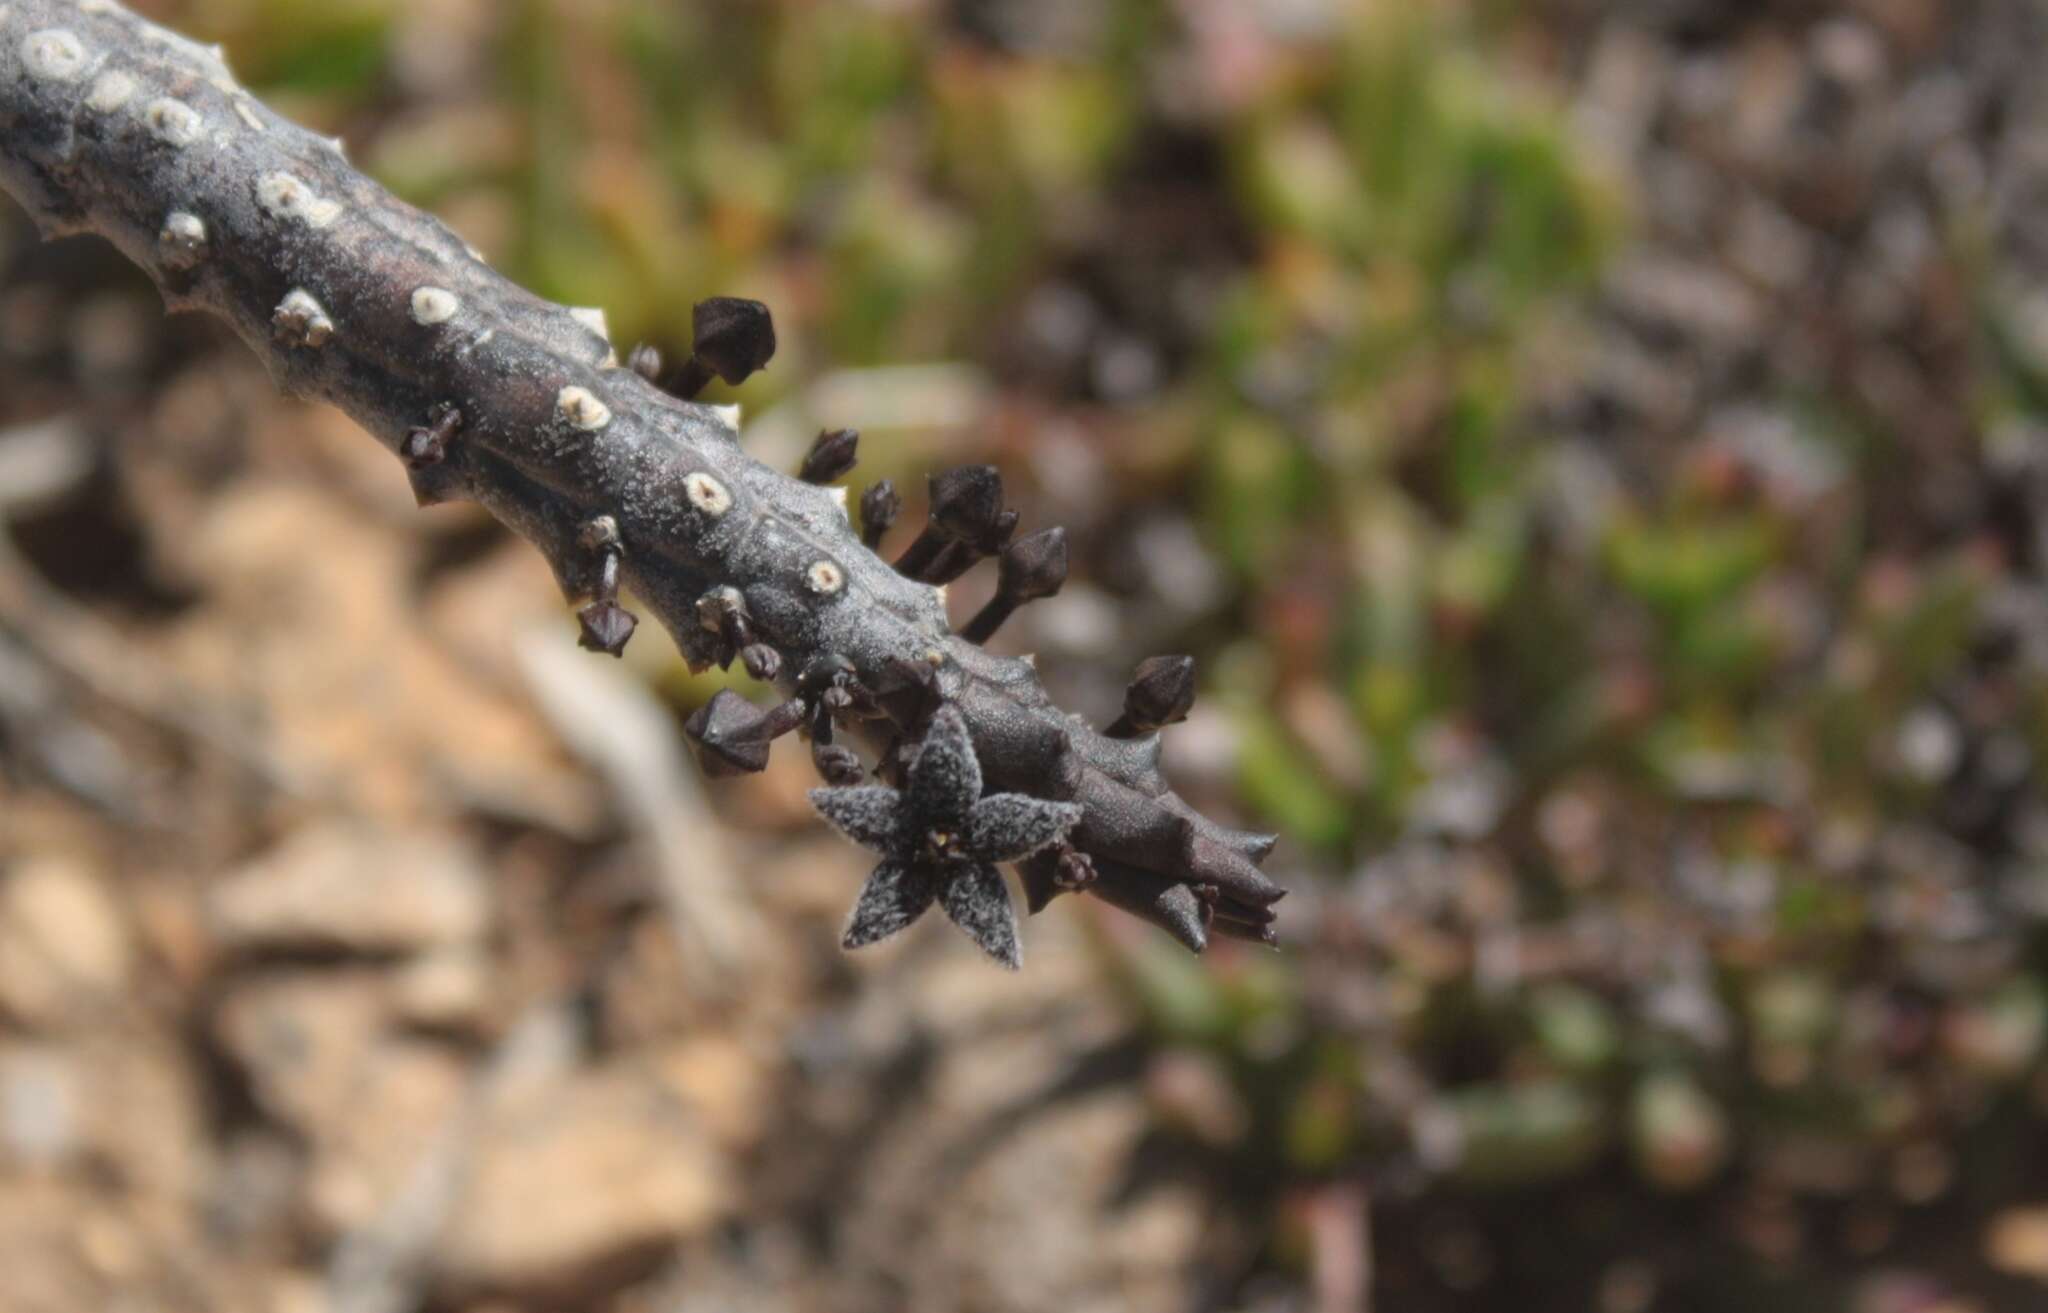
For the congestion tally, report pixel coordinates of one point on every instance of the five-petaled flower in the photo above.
(939, 840)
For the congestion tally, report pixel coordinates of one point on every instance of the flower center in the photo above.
(942, 846)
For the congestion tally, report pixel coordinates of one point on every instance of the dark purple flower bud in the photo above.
(831, 457)
(966, 507)
(606, 627)
(837, 766)
(1073, 869)
(733, 337)
(1162, 692)
(730, 735)
(879, 507)
(822, 673)
(967, 503)
(1034, 566)
(762, 662)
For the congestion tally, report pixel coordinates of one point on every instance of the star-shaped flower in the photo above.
(939, 840)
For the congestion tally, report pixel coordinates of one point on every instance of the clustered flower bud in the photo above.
(1033, 567)
(731, 736)
(732, 338)
(938, 837)
(1162, 692)
(831, 457)
(879, 507)
(732, 341)
(762, 662)
(606, 626)
(966, 508)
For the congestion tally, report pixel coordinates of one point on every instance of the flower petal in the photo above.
(979, 903)
(945, 779)
(895, 895)
(1003, 826)
(870, 815)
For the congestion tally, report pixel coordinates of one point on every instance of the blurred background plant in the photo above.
(1597, 452)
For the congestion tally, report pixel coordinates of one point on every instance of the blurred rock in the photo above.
(320, 1059)
(723, 1083)
(1015, 1217)
(601, 1172)
(444, 989)
(302, 1039)
(357, 888)
(2017, 1243)
(404, 1101)
(38, 1108)
(64, 943)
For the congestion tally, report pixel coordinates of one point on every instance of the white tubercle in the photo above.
(110, 91)
(285, 197)
(434, 305)
(55, 53)
(300, 320)
(173, 122)
(707, 494)
(824, 577)
(181, 243)
(580, 406)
